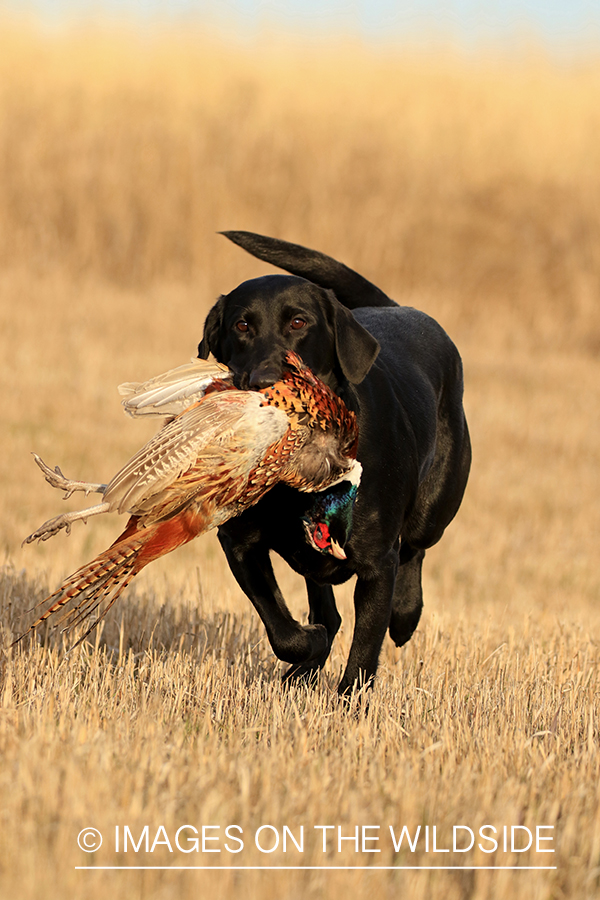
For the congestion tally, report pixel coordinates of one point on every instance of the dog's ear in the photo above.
(212, 331)
(356, 349)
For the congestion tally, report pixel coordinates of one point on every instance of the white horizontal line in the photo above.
(310, 868)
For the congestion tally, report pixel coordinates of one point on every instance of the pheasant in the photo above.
(219, 452)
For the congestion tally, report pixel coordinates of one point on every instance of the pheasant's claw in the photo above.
(50, 528)
(53, 526)
(56, 479)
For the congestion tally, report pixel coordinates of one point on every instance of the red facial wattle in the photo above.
(321, 536)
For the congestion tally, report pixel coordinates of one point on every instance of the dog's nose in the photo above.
(263, 376)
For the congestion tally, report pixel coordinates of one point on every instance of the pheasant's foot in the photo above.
(53, 526)
(56, 479)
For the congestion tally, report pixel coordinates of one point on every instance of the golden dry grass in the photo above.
(469, 188)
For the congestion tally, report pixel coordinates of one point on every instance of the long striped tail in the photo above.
(94, 587)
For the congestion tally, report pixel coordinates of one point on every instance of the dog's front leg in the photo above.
(323, 611)
(373, 608)
(291, 641)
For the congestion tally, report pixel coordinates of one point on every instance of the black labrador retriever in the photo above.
(402, 375)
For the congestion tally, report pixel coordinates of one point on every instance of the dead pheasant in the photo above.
(221, 450)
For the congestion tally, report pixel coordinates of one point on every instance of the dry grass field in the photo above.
(469, 187)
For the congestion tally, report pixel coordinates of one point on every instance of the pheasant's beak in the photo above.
(337, 551)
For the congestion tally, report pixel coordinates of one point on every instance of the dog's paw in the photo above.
(302, 645)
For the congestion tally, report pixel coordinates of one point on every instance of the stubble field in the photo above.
(468, 187)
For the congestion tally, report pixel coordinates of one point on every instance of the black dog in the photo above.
(402, 375)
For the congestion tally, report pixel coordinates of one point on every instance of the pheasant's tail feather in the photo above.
(94, 587)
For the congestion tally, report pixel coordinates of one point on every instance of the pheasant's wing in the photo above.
(224, 436)
(174, 391)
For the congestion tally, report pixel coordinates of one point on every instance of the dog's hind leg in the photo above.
(408, 596)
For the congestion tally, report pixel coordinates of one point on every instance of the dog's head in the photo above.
(252, 328)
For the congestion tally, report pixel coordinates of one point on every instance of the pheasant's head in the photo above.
(328, 523)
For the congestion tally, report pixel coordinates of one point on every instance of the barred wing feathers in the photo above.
(223, 437)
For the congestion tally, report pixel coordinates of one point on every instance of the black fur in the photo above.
(402, 374)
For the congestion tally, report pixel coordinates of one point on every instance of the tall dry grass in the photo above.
(467, 187)
(475, 180)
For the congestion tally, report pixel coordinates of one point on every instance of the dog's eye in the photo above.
(242, 325)
(297, 323)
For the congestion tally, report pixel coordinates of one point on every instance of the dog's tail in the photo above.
(350, 288)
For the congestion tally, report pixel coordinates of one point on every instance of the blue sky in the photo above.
(555, 21)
